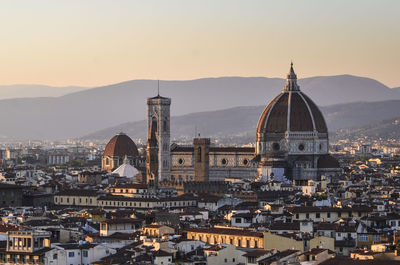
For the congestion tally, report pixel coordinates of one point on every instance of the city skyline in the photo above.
(96, 43)
(203, 132)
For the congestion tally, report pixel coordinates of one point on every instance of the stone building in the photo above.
(26, 247)
(76, 198)
(10, 195)
(128, 225)
(291, 241)
(202, 159)
(232, 236)
(90, 177)
(58, 158)
(155, 230)
(158, 146)
(203, 162)
(137, 190)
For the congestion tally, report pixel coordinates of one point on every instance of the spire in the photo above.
(158, 88)
(291, 80)
(291, 69)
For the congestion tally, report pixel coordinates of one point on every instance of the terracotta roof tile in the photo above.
(121, 145)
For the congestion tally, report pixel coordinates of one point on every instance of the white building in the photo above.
(113, 226)
(187, 246)
(229, 255)
(77, 254)
(162, 258)
(58, 159)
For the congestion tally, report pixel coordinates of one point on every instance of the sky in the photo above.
(100, 42)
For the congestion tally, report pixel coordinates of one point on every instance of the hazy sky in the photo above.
(95, 42)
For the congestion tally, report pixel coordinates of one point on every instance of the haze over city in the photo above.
(199, 132)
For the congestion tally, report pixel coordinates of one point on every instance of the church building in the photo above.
(291, 143)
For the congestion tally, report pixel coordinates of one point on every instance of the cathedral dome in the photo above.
(121, 145)
(292, 129)
(291, 111)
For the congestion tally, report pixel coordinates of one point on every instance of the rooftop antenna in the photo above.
(158, 88)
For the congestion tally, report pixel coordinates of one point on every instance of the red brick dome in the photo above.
(121, 145)
(291, 110)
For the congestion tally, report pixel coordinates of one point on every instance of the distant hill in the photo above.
(360, 113)
(87, 111)
(33, 91)
(234, 121)
(397, 89)
(388, 128)
(240, 122)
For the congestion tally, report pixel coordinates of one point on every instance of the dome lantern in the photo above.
(291, 80)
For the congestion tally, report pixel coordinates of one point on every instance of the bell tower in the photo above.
(158, 156)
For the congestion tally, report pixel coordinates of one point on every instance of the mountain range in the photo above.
(33, 91)
(388, 128)
(240, 123)
(84, 112)
(397, 89)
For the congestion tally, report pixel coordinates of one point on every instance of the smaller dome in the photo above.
(328, 161)
(121, 145)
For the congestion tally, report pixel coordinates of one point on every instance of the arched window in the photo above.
(165, 125)
(199, 154)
